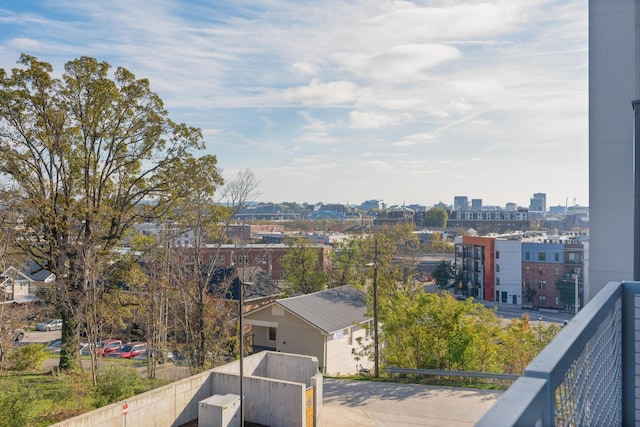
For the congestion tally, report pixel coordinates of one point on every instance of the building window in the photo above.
(542, 256)
(271, 334)
(557, 300)
(527, 269)
(557, 271)
(258, 260)
(527, 256)
(233, 260)
(541, 270)
(557, 257)
(541, 284)
(542, 299)
(497, 281)
(497, 268)
(497, 254)
(222, 260)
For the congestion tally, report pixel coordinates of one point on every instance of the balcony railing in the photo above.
(587, 376)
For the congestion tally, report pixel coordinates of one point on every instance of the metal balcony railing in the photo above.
(588, 375)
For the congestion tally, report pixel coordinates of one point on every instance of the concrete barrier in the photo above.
(274, 394)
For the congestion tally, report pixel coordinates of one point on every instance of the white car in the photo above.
(51, 325)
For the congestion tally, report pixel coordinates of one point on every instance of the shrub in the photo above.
(28, 357)
(16, 404)
(116, 382)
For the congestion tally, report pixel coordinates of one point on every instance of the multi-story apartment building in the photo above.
(508, 271)
(498, 221)
(516, 271)
(474, 263)
(543, 264)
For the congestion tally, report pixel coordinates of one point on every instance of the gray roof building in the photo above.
(331, 325)
(329, 310)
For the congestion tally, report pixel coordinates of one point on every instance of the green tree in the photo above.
(522, 341)
(91, 153)
(432, 331)
(345, 261)
(528, 293)
(302, 268)
(567, 289)
(435, 217)
(443, 273)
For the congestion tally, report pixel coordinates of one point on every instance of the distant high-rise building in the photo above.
(511, 207)
(476, 204)
(372, 205)
(538, 203)
(460, 203)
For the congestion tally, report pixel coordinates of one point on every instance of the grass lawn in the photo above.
(41, 398)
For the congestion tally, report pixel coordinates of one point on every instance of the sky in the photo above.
(343, 101)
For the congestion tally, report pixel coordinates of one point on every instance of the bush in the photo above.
(28, 357)
(16, 404)
(116, 382)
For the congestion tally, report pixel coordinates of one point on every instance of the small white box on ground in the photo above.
(219, 411)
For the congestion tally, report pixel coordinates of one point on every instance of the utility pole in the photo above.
(575, 310)
(376, 366)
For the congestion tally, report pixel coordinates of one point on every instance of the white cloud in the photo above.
(321, 94)
(410, 140)
(365, 120)
(273, 82)
(304, 67)
(408, 61)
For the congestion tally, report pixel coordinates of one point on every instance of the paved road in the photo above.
(510, 311)
(40, 337)
(365, 403)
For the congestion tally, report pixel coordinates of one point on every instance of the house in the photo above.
(330, 325)
(41, 280)
(15, 287)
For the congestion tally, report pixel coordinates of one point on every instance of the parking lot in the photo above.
(165, 371)
(366, 403)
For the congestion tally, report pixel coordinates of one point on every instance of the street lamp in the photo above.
(241, 338)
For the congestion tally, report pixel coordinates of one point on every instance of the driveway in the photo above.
(365, 403)
(44, 337)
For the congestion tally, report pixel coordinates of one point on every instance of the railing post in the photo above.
(630, 296)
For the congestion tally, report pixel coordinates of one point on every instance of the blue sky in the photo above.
(342, 101)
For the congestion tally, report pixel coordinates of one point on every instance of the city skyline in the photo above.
(343, 102)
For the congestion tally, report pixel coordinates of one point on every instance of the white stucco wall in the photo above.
(510, 274)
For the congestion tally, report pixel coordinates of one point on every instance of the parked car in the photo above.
(54, 346)
(161, 356)
(51, 325)
(85, 349)
(129, 351)
(105, 347)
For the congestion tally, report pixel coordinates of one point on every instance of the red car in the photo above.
(129, 351)
(105, 347)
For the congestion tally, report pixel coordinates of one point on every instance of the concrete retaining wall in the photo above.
(172, 405)
(277, 400)
(270, 402)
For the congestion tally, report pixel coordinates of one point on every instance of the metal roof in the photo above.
(329, 310)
